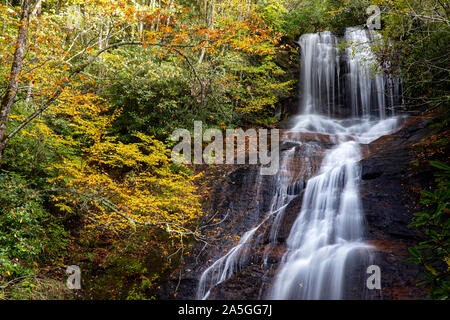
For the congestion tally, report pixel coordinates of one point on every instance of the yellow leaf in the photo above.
(431, 269)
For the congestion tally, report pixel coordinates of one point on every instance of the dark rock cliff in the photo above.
(389, 191)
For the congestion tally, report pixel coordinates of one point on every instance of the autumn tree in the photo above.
(10, 93)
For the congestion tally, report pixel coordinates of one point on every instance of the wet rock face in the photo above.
(254, 280)
(388, 202)
(238, 203)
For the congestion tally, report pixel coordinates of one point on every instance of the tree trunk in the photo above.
(8, 98)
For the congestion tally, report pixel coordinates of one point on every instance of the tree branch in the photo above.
(77, 70)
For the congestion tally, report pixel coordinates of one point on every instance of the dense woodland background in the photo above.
(92, 89)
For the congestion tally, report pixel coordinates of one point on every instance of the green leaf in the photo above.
(414, 251)
(440, 165)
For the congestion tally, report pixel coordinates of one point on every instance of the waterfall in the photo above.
(346, 103)
(327, 236)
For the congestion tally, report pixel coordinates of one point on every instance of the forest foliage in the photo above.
(433, 253)
(92, 89)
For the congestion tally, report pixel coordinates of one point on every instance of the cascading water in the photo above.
(327, 236)
(347, 104)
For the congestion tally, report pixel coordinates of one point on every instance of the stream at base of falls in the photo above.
(344, 106)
